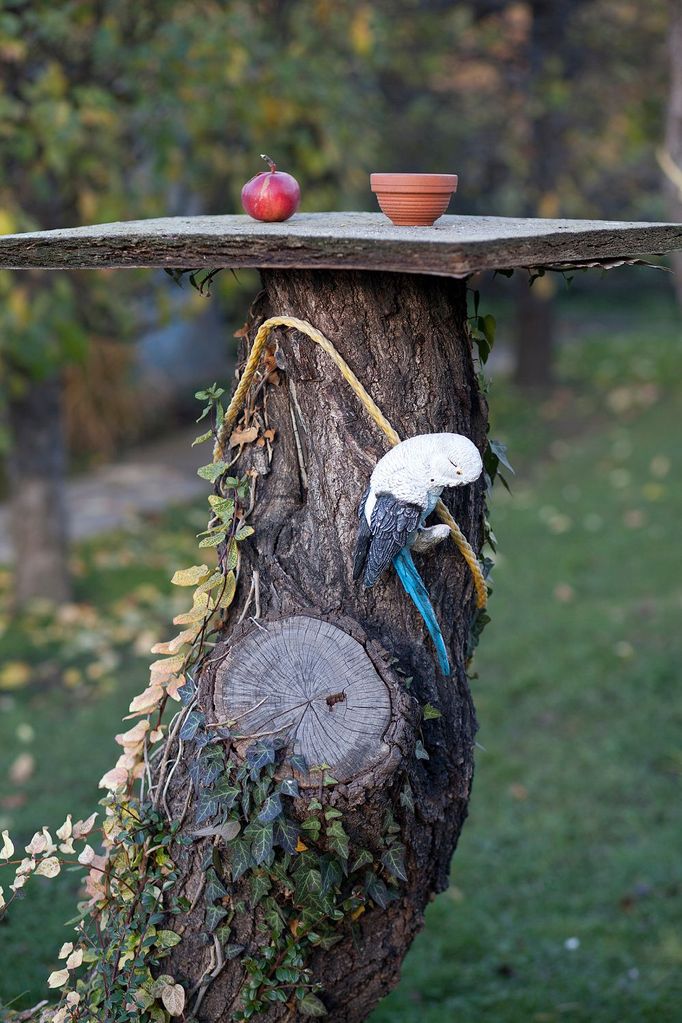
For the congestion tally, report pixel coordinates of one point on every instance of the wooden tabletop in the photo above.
(454, 246)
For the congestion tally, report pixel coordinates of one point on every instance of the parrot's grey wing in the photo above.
(392, 525)
(362, 542)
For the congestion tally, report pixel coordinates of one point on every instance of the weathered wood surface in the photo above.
(307, 680)
(454, 247)
(406, 337)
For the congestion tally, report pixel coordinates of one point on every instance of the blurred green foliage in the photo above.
(117, 110)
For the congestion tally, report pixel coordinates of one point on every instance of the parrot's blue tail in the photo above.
(414, 587)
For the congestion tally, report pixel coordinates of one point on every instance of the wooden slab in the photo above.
(455, 246)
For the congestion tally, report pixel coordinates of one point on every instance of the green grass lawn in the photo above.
(567, 884)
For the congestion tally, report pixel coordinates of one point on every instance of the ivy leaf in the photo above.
(286, 834)
(261, 837)
(420, 752)
(188, 691)
(240, 857)
(166, 939)
(308, 883)
(214, 540)
(271, 809)
(206, 808)
(212, 471)
(500, 451)
(191, 725)
(312, 825)
(394, 861)
(226, 793)
(202, 437)
(244, 533)
(364, 858)
(215, 889)
(377, 890)
(338, 839)
(191, 576)
(232, 951)
(260, 886)
(406, 797)
(431, 713)
(214, 914)
(259, 756)
(331, 873)
(289, 787)
(298, 762)
(226, 831)
(311, 1005)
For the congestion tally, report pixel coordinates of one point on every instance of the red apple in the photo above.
(271, 195)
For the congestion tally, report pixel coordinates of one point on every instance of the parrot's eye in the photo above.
(459, 472)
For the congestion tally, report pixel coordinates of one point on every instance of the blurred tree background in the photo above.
(116, 109)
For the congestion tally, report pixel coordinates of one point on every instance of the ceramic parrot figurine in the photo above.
(403, 491)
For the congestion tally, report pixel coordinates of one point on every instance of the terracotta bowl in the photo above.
(413, 200)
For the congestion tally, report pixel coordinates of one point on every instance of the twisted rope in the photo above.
(373, 410)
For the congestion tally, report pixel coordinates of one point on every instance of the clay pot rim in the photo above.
(415, 183)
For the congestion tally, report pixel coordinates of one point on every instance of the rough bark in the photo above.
(36, 469)
(406, 338)
(454, 247)
(673, 130)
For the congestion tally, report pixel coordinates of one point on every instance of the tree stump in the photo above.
(309, 681)
(313, 668)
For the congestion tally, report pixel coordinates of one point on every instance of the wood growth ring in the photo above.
(309, 681)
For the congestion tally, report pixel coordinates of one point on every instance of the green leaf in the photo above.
(310, 1005)
(331, 873)
(271, 809)
(214, 914)
(407, 797)
(377, 890)
(312, 825)
(286, 834)
(261, 837)
(244, 533)
(240, 857)
(260, 886)
(308, 883)
(191, 725)
(431, 713)
(212, 471)
(363, 859)
(202, 438)
(420, 752)
(394, 861)
(500, 451)
(214, 540)
(338, 839)
(289, 787)
(166, 939)
(232, 951)
(215, 889)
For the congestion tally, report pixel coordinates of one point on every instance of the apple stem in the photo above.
(272, 164)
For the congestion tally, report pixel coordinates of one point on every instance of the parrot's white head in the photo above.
(453, 461)
(417, 469)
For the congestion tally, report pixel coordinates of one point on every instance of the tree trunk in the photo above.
(343, 654)
(673, 132)
(36, 469)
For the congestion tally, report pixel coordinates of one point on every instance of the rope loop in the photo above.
(370, 406)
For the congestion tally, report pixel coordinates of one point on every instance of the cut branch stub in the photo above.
(308, 681)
